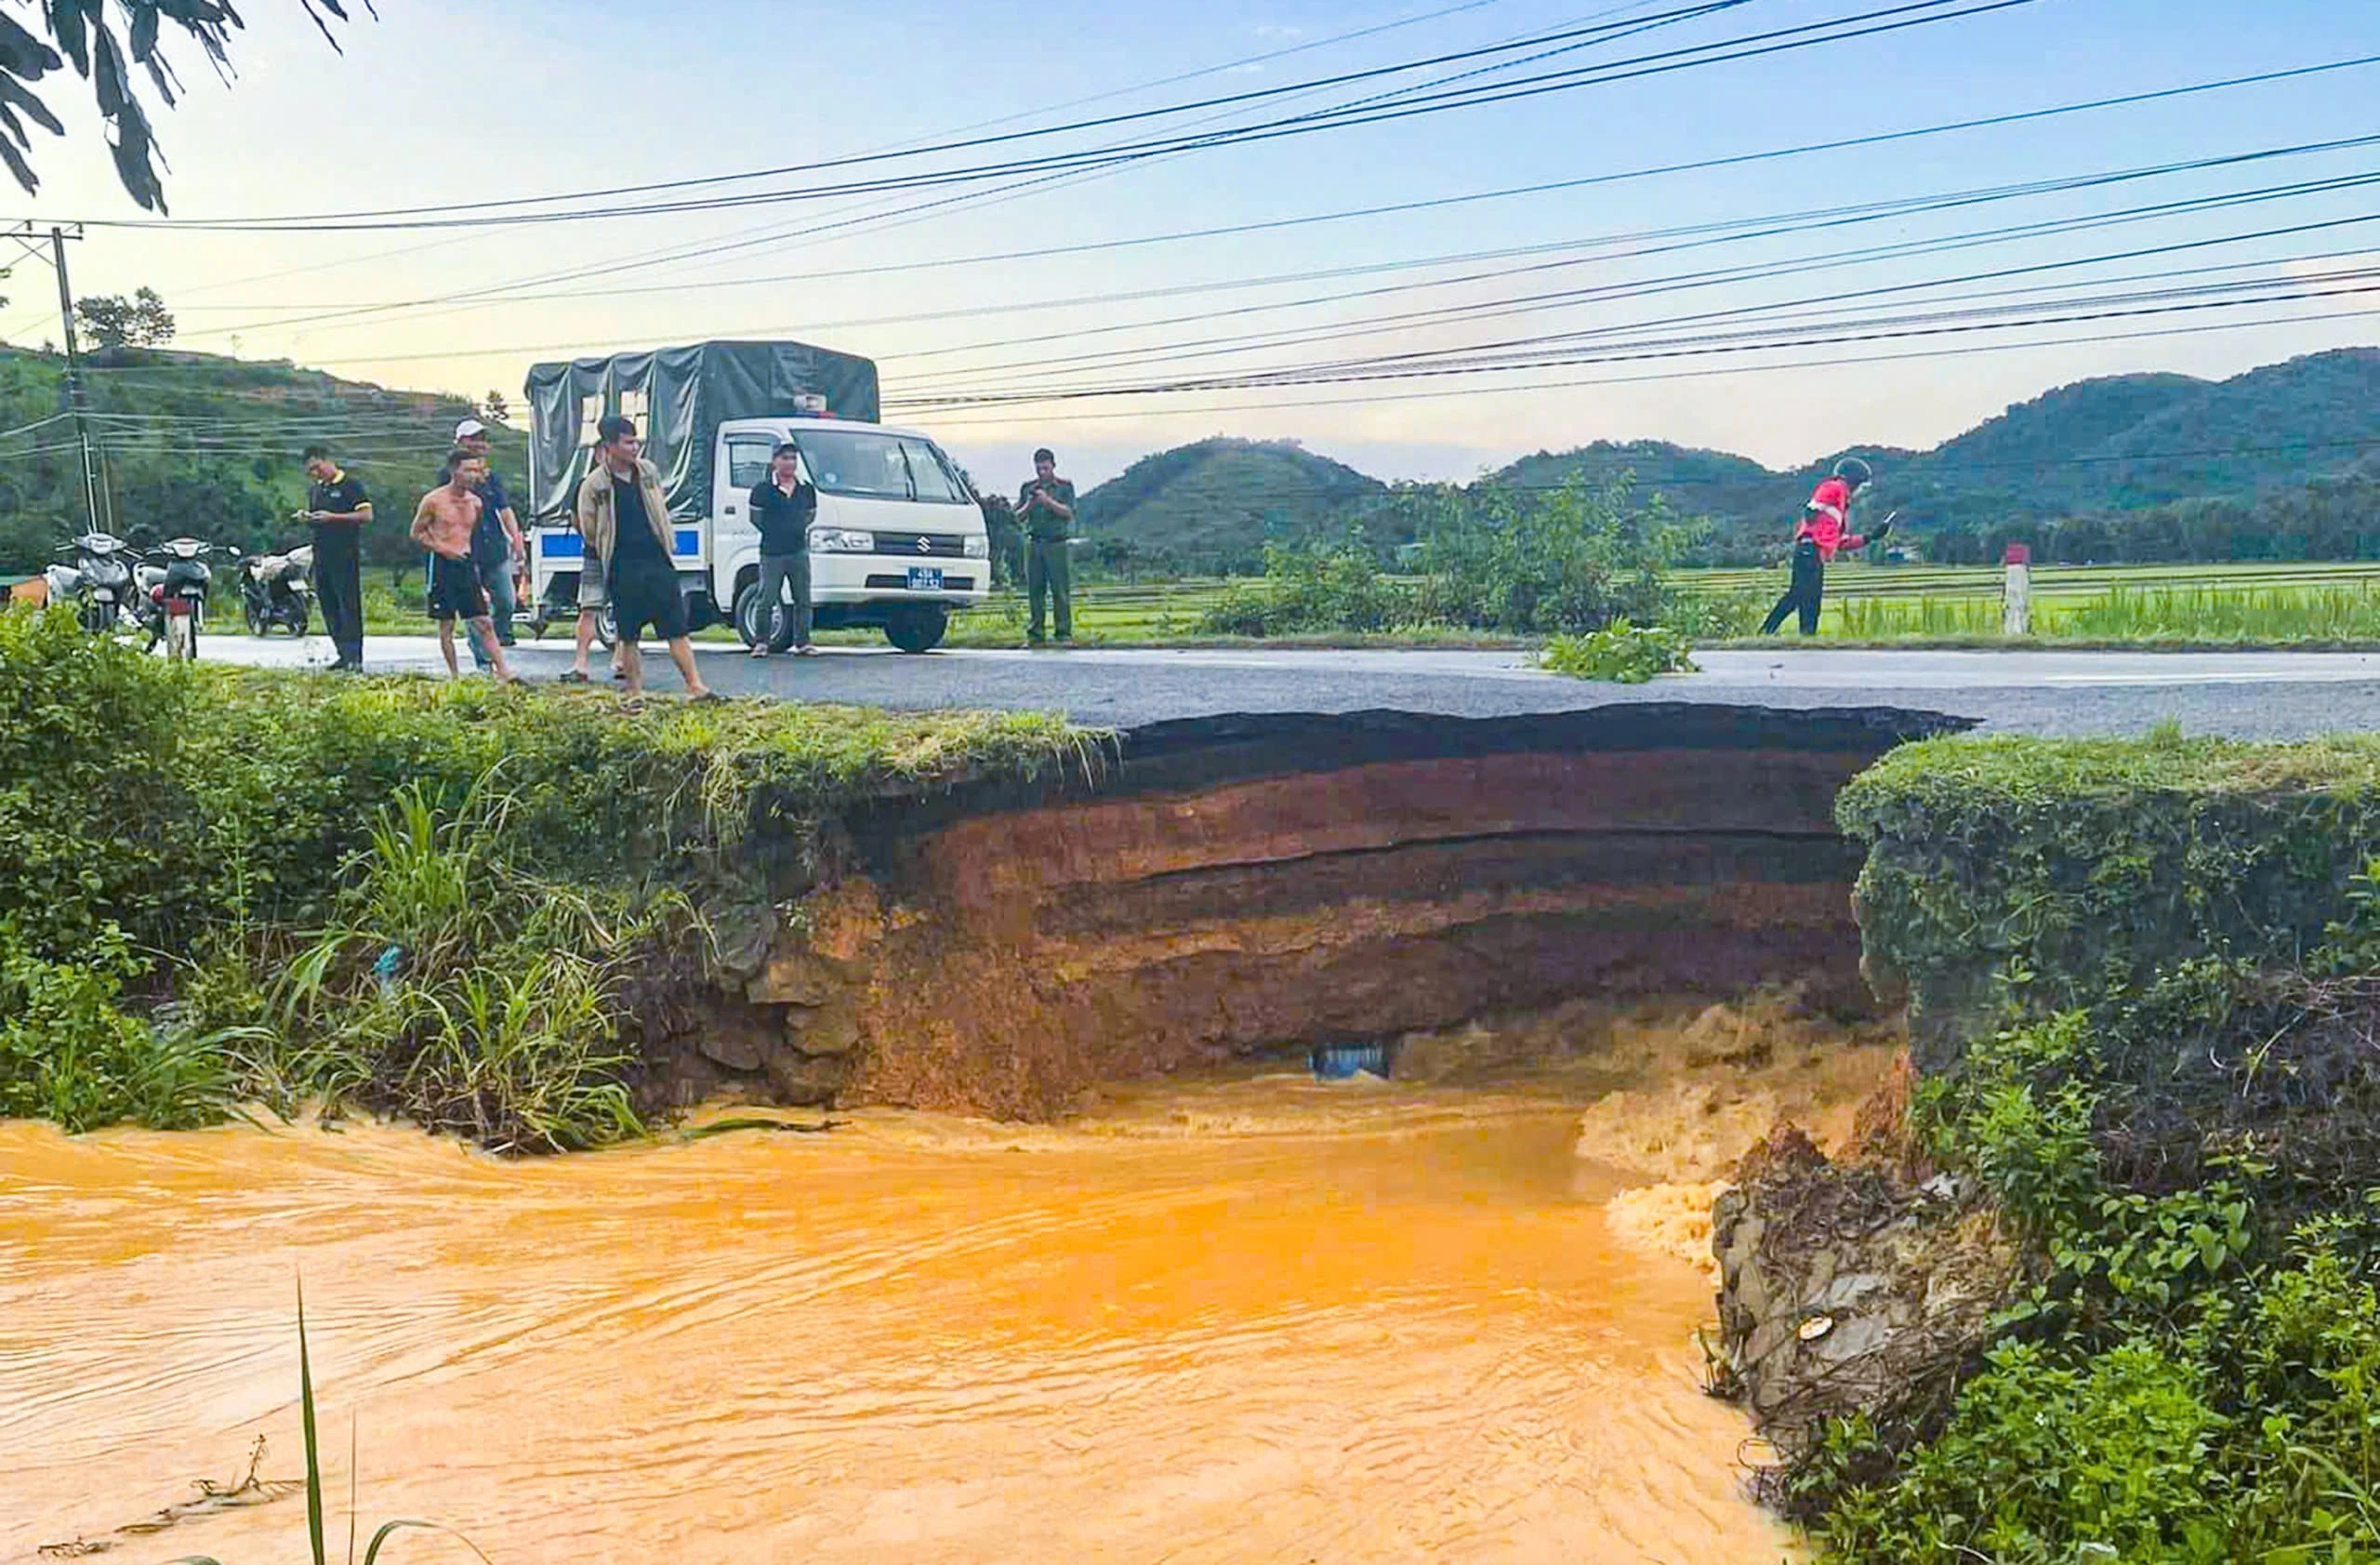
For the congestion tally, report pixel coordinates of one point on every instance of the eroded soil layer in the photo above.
(1223, 886)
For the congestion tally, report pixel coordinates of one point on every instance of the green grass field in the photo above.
(2319, 602)
(2300, 602)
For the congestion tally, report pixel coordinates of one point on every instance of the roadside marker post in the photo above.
(2016, 596)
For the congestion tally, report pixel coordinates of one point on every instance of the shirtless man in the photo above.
(442, 525)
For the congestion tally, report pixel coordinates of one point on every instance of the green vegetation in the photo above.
(1490, 561)
(2076, 864)
(2192, 1372)
(453, 902)
(2149, 976)
(1619, 654)
(209, 447)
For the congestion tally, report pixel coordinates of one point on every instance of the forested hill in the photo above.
(1214, 504)
(209, 447)
(2090, 452)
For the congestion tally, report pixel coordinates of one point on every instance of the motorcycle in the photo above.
(277, 590)
(100, 584)
(174, 585)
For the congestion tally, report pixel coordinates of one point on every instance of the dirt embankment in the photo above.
(1231, 887)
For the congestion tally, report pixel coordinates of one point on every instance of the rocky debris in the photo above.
(1843, 1290)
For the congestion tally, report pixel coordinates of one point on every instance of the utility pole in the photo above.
(74, 379)
(28, 238)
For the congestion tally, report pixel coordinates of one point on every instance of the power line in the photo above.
(1688, 281)
(1693, 236)
(1890, 20)
(319, 220)
(496, 295)
(1641, 288)
(1360, 374)
(1009, 421)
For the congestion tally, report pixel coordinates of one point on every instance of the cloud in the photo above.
(1276, 30)
(1245, 71)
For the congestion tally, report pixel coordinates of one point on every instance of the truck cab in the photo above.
(898, 544)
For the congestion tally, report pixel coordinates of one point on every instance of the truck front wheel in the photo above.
(916, 627)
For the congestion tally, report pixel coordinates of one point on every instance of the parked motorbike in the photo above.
(277, 592)
(174, 583)
(99, 583)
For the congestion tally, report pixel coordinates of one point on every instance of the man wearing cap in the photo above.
(1046, 508)
(496, 548)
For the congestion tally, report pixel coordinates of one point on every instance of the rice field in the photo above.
(2294, 601)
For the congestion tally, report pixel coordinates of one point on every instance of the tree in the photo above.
(112, 320)
(83, 28)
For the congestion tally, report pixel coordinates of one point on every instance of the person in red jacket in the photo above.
(1825, 529)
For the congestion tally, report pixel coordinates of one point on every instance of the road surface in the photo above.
(2250, 695)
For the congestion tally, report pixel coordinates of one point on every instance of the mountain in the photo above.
(2096, 449)
(1213, 505)
(210, 446)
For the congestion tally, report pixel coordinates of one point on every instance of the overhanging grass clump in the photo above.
(423, 897)
(2074, 866)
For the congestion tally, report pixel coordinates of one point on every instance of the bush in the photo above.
(1572, 560)
(178, 835)
(1313, 589)
(1619, 653)
(69, 1054)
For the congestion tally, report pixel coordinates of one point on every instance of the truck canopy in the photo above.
(679, 397)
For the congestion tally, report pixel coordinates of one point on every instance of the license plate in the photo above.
(925, 579)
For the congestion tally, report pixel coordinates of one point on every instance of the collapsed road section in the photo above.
(1226, 886)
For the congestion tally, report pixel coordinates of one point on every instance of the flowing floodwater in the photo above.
(1236, 1320)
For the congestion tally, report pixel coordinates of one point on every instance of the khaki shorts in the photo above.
(591, 593)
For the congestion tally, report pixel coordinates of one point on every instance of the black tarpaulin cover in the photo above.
(678, 396)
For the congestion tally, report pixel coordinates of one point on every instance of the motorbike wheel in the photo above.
(299, 625)
(92, 615)
(256, 623)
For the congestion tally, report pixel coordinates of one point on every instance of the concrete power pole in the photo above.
(74, 381)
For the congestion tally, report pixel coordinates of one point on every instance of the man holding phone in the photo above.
(782, 507)
(1046, 508)
(337, 510)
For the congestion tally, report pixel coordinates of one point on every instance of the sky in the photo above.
(436, 104)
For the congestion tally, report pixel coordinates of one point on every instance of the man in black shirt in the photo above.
(337, 509)
(782, 507)
(1046, 508)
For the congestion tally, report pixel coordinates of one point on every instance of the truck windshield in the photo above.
(879, 466)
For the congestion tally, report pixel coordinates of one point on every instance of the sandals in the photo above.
(708, 698)
(574, 677)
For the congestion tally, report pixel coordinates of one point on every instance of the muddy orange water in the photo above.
(1257, 1319)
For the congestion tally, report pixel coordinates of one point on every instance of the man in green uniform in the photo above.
(1046, 506)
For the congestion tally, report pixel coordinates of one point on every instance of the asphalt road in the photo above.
(2249, 694)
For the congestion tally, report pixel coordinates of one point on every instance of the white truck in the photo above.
(899, 542)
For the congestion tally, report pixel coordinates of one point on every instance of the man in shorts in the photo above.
(625, 519)
(443, 523)
(497, 544)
